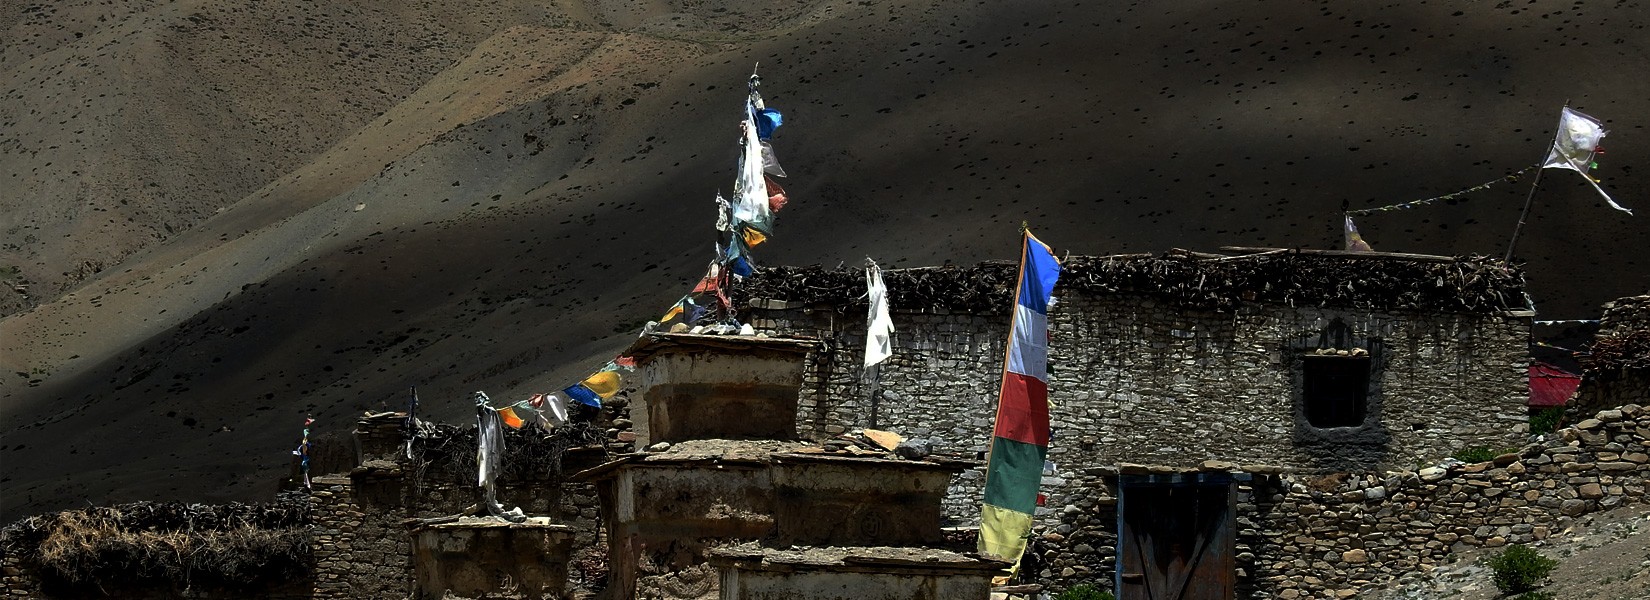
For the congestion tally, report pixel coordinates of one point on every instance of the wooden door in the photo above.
(1176, 537)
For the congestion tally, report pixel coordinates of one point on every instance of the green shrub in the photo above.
(1520, 569)
(1535, 596)
(1546, 420)
(1475, 454)
(1084, 591)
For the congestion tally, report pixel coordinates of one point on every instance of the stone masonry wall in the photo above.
(359, 533)
(1607, 386)
(1134, 380)
(362, 543)
(1305, 535)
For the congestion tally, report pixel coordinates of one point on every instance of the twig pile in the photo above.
(1625, 350)
(449, 451)
(1471, 284)
(166, 544)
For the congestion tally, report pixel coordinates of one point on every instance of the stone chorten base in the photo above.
(487, 557)
(751, 572)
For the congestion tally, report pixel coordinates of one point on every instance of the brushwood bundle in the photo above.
(1473, 284)
(166, 545)
(1613, 353)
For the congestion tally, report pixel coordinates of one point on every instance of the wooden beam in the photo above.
(1347, 254)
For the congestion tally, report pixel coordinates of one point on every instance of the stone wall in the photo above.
(363, 546)
(1617, 372)
(1625, 314)
(1306, 535)
(360, 537)
(1136, 380)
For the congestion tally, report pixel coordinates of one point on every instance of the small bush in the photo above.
(1546, 420)
(1084, 591)
(1535, 596)
(1520, 569)
(1475, 454)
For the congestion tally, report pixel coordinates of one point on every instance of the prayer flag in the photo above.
(770, 161)
(879, 328)
(556, 405)
(1574, 148)
(768, 120)
(583, 395)
(604, 384)
(510, 418)
(750, 202)
(1355, 242)
(1020, 439)
(776, 195)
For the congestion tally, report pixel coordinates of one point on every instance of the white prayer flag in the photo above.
(750, 204)
(879, 328)
(1574, 147)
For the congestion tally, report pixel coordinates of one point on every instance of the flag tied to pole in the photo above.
(1575, 146)
(879, 328)
(1019, 444)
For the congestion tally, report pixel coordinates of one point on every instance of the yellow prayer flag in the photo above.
(754, 237)
(605, 384)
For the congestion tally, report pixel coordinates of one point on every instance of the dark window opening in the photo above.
(1335, 390)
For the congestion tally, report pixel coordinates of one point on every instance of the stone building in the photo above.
(1281, 361)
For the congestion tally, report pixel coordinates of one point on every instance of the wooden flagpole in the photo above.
(1531, 197)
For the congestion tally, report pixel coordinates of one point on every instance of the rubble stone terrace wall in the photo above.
(1137, 379)
(1303, 535)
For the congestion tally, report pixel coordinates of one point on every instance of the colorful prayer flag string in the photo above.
(1509, 178)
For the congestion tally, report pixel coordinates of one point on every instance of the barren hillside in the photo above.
(232, 214)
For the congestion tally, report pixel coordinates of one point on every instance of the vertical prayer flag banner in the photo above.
(1355, 242)
(1019, 444)
(1574, 147)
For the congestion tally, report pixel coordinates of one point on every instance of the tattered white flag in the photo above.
(770, 162)
(1574, 147)
(879, 329)
(750, 202)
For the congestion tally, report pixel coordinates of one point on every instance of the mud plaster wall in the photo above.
(1137, 381)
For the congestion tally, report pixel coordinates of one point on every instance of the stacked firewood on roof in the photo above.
(1186, 279)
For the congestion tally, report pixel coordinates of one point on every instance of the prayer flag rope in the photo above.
(1509, 178)
(742, 224)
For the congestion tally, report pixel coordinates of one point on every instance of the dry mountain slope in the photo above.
(129, 122)
(511, 221)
